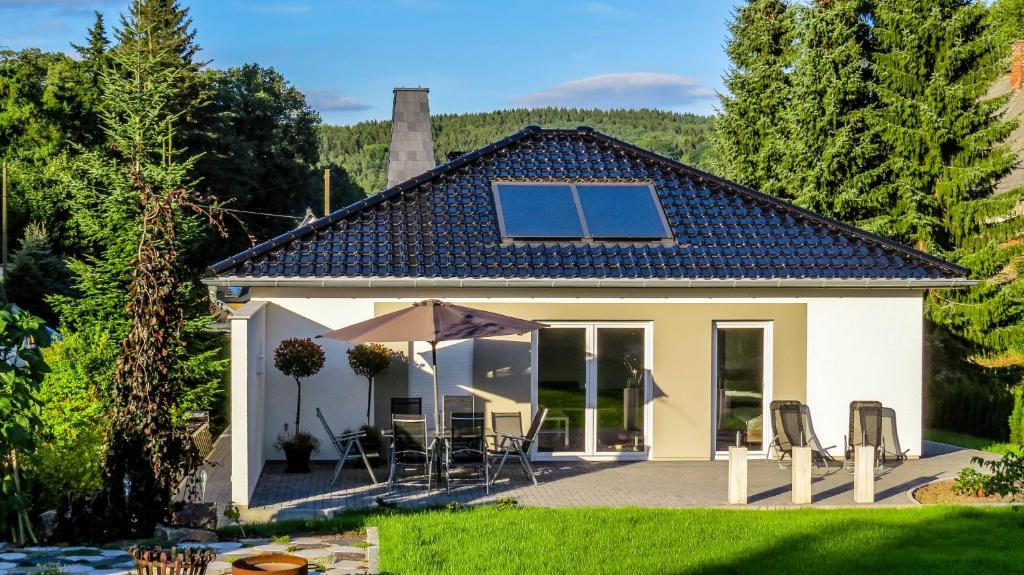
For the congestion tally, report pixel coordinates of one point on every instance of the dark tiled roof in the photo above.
(443, 225)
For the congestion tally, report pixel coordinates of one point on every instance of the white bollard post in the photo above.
(801, 475)
(738, 475)
(864, 474)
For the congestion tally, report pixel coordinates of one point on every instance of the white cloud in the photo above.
(624, 90)
(334, 101)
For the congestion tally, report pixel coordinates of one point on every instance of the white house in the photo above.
(680, 304)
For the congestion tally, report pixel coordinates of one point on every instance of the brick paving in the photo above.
(281, 495)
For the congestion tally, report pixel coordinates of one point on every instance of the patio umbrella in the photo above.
(433, 321)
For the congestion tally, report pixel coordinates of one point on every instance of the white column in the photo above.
(738, 475)
(246, 407)
(864, 474)
(802, 475)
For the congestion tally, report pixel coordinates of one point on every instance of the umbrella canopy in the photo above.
(433, 321)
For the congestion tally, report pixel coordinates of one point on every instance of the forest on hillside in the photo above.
(361, 150)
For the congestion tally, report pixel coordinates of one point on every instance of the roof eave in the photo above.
(373, 282)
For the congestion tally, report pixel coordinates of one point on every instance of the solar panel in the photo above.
(537, 211)
(626, 211)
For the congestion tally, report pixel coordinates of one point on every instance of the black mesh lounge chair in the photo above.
(343, 444)
(510, 441)
(410, 447)
(794, 428)
(406, 406)
(455, 404)
(857, 434)
(466, 448)
(890, 438)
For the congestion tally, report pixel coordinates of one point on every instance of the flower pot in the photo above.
(297, 459)
(277, 564)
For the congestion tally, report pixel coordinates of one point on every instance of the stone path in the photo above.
(345, 554)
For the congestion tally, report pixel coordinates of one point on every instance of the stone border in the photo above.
(372, 551)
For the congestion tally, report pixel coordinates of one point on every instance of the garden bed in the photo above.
(941, 492)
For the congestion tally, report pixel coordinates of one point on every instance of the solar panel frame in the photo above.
(584, 226)
(659, 211)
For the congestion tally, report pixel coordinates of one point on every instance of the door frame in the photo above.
(590, 453)
(767, 389)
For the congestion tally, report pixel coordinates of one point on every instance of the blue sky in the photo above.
(474, 56)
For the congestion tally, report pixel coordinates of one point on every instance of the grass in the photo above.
(969, 441)
(487, 540)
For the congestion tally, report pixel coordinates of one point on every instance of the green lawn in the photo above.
(487, 540)
(968, 441)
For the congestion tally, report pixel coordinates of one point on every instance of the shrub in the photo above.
(970, 482)
(1017, 417)
(1007, 479)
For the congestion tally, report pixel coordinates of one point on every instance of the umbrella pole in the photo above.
(433, 369)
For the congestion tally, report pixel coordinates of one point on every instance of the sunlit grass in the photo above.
(969, 441)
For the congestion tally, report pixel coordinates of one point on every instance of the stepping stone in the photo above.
(241, 552)
(225, 546)
(12, 556)
(72, 549)
(110, 572)
(272, 548)
(218, 567)
(38, 549)
(114, 553)
(254, 541)
(343, 540)
(351, 556)
(311, 554)
(346, 549)
(4, 566)
(82, 558)
(76, 569)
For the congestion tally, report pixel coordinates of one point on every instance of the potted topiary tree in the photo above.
(298, 358)
(370, 360)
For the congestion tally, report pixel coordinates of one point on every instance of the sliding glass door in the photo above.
(594, 380)
(742, 386)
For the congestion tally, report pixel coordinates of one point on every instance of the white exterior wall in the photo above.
(865, 344)
(865, 348)
(248, 384)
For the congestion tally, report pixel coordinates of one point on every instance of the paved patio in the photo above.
(645, 484)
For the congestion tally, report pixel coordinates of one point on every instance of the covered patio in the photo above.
(281, 495)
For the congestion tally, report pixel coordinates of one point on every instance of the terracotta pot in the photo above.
(275, 564)
(297, 459)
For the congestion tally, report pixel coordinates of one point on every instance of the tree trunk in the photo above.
(369, 399)
(298, 405)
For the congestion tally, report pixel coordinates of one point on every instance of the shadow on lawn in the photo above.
(961, 540)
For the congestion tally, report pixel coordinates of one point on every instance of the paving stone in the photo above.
(4, 566)
(218, 566)
(110, 572)
(346, 549)
(308, 541)
(252, 542)
(76, 569)
(221, 547)
(12, 556)
(311, 554)
(82, 558)
(272, 548)
(71, 549)
(114, 553)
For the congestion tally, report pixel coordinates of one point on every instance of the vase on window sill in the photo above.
(632, 400)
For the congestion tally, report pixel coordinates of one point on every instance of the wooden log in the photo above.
(738, 475)
(802, 475)
(864, 474)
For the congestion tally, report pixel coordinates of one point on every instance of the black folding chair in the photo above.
(466, 448)
(510, 441)
(411, 447)
(455, 404)
(406, 406)
(857, 436)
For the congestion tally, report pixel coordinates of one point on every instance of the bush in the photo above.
(75, 415)
(1007, 479)
(1017, 417)
(970, 482)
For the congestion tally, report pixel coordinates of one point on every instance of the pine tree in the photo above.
(93, 54)
(750, 140)
(833, 157)
(936, 60)
(36, 273)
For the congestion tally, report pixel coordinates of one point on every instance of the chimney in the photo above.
(1017, 66)
(412, 149)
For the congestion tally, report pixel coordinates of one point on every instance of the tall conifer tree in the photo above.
(750, 137)
(833, 154)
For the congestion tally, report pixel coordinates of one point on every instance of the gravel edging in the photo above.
(372, 551)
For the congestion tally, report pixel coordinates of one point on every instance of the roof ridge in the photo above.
(333, 217)
(779, 202)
